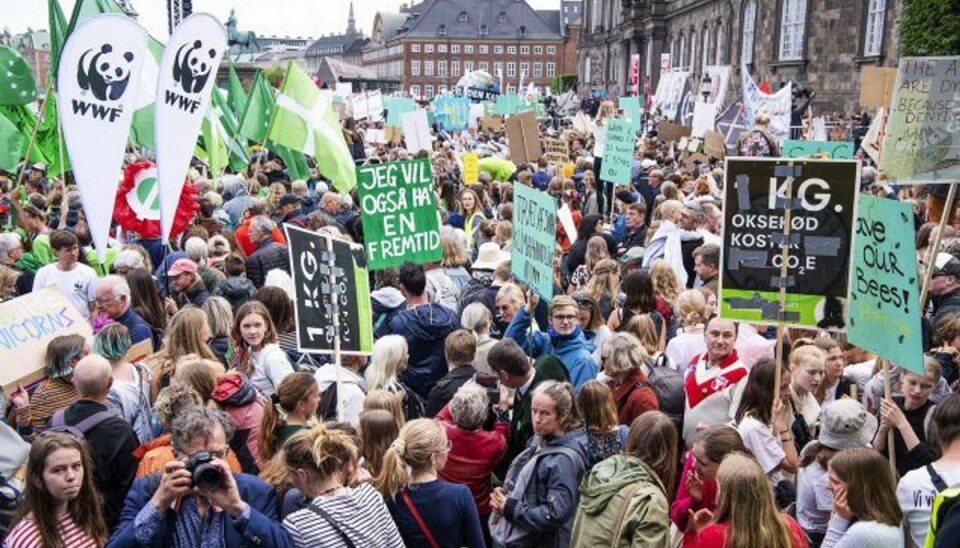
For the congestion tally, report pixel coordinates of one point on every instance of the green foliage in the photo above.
(930, 25)
(562, 82)
(273, 75)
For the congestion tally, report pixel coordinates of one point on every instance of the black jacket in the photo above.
(946, 304)
(446, 387)
(112, 444)
(268, 256)
(196, 295)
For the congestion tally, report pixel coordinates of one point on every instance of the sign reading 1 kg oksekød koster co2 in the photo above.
(399, 212)
(823, 209)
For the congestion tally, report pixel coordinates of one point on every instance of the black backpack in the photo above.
(668, 384)
(327, 409)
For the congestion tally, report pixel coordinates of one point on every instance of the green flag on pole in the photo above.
(58, 34)
(17, 85)
(11, 143)
(236, 95)
(256, 116)
(24, 119)
(303, 121)
(220, 136)
(50, 138)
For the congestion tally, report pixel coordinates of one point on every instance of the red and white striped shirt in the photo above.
(26, 535)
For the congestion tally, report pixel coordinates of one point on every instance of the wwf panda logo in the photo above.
(192, 66)
(105, 73)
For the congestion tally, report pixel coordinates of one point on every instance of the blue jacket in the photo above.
(573, 352)
(139, 329)
(262, 529)
(425, 328)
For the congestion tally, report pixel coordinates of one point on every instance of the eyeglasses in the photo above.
(101, 301)
(504, 307)
(566, 317)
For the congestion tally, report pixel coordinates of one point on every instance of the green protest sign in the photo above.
(631, 110)
(399, 213)
(884, 293)
(618, 151)
(834, 150)
(534, 239)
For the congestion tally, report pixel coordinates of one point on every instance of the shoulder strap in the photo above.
(936, 479)
(93, 421)
(332, 523)
(57, 420)
(624, 506)
(625, 397)
(416, 515)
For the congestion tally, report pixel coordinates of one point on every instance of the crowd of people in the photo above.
(619, 411)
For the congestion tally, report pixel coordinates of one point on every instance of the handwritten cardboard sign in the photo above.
(492, 124)
(471, 168)
(836, 150)
(523, 137)
(618, 151)
(556, 149)
(670, 132)
(876, 86)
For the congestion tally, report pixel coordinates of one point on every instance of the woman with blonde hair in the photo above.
(220, 320)
(477, 319)
(688, 343)
(199, 374)
(322, 464)
(385, 401)
(806, 375)
(640, 480)
(8, 282)
(623, 359)
(604, 286)
(428, 511)
(665, 284)
(596, 252)
(187, 333)
(470, 206)
(746, 516)
(257, 354)
(388, 362)
(504, 235)
(455, 259)
(378, 429)
(865, 507)
(291, 409)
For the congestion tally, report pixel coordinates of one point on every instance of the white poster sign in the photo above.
(719, 76)
(98, 78)
(375, 105)
(778, 105)
(416, 130)
(344, 89)
(476, 112)
(360, 107)
(188, 73)
(704, 116)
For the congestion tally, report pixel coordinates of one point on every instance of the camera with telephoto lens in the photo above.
(206, 475)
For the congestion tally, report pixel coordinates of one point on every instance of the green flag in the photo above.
(256, 115)
(296, 162)
(305, 122)
(50, 138)
(58, 34)
(220, 132)
(11, 143)
(17, 86)
(236, 95)
(24, 120)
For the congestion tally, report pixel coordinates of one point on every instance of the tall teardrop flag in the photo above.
(303, 121)
(58, 32)
(188, 73)
(11, 143)
(97, 80)
(17, 85)
(236, 95)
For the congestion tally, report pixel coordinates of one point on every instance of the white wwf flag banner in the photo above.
(97, 84)
(188, 73)
(777, 105)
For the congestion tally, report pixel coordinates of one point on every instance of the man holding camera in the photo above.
(197, 501)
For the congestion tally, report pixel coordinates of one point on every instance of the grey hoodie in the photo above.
(352, 389)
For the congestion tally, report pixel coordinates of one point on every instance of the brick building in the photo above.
(818, 44)
(428, 46)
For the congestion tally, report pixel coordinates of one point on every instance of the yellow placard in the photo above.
(471, 169)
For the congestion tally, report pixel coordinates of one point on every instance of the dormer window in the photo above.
(522, 30)
(502, 17)
(463, 17)
(483, 30)
(442, 30)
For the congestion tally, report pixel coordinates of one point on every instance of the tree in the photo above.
(931, 26)
(562, 82)
(274, 75)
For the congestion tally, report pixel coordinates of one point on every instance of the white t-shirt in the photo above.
(814, 502)
(916, 492)
(766, 448)
(77, 285)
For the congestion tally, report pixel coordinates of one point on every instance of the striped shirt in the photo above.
(359, 513)
(26, 535)
(51, 396)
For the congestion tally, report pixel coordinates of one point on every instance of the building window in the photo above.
(705, 48)
(415, 48)
(428, 48)
(468, 48)
(483, 30)
(511, 50)
(525, 68)
(511, 70)
(538, 70)
(551, 50)
(692, 59)
(454, 48)
(511, 88)
(524, 50)
(498, 50)
(463, 17)
(484, 66)
(442, 30)
(429, 91)
(718, 41)
(538, 50)
(595, 15)
(454, 68)
(498, 68)
(792, 22)
(749, 30)
(484, 49)
(873, 39)
(441, 68)
(502, 18)
(415, 90)
(414, 68)
(428, 68)
(551, 70)
(441, 48)
(467, 66)
(683, 51)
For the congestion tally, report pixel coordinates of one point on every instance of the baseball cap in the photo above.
(289, 199)
(39, 166)
(181, 266)
(946, 264)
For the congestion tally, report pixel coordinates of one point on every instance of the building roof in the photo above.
(502, 19)
(553, 20)
(332, 70)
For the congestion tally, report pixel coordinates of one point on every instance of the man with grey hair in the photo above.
(267, 254)
(11, 250)
(110, 438)
(113, 299)
(223, 509)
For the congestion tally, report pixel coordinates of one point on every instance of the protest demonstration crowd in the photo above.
(486, 320)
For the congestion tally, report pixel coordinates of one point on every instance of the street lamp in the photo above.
(706, 86)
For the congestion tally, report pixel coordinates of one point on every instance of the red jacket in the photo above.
(633, 402)
(242, 234)
(679, 510)
(474, 455)
(715, 536)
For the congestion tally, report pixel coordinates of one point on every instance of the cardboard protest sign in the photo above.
(820, 237)
(375, 105)
(692, 161)
(27, 325)
(631, 110)
(876, 86)
(492, 124)
(523, 137)
(471, 168)
(714, 145)
(884, 290)
(534, 239)
(396, 107)
(556, 149)
(375, 136)
(704, 117)
(96, 111)
(399, 213)
(921, 145)
(836, 150)
(453, 113)
(508, 105)
(618, 152)
(322, 291)
(416, 131)
(670, 132)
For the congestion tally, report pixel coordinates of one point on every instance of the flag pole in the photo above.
(33, 137)
(63, 172)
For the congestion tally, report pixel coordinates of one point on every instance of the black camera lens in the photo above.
(208, 477)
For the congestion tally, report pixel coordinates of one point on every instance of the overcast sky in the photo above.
(306, 18)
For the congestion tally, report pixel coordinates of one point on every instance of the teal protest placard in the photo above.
(618, 151)
(631, 110)
(508, 105)
(453, 113)
(884, 292)
(534, 239)
(833, 150)
(399, 213)
(397, 106)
